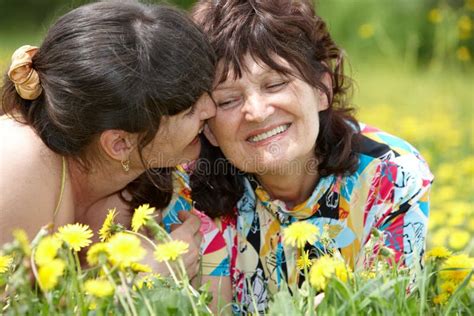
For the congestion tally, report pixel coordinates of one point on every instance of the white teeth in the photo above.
(200, 130)
(277, 130)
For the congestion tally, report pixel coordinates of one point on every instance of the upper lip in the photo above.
(265, 129)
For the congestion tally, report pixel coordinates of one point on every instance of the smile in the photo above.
(265, 135)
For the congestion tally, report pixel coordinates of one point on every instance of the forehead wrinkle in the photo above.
(254, 70)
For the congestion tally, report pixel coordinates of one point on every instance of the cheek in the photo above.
(311, 131)
(223, 128)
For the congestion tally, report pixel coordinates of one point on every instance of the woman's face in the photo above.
(265, 121)
(177, 140)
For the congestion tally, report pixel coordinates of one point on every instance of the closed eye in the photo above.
(228, 103)
(276, 86)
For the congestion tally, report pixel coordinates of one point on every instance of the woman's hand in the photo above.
(188, 232)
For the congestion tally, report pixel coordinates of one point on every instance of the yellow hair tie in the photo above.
(22, 73)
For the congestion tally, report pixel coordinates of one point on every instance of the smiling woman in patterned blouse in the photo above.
(285, 147)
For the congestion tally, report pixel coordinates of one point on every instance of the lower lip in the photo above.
(270, 139)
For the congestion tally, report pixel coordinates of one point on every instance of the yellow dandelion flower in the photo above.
(459, 239)
(464, 27)
(440, 236)
(48, 274)
(105, 231)
(320, 272)
(76, 236)
(328, 267)
(146, 281)
(22, 238)
(461, 266)
(303, 261)
(171, 250)
(95, 252)
(99, 287)
(441, 299)
(463, 54)
(141, 216)
(300, 233)
(435, 16)
(366, 30)
(124, 249)
(5, 262)
(342, 271)
(439, 252)
(47, 250)
(448, 287)
(465, 23)
(138, 267)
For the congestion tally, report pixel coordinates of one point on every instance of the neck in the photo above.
(96, 184)
(289, 188)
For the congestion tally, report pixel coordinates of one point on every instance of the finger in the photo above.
(192, 265)
(174, 226)
(198, 238)
(191, 224)
(183, 215)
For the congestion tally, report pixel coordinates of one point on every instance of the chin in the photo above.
(262, 167)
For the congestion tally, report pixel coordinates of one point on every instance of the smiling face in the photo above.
(266, 121)
(177, 140)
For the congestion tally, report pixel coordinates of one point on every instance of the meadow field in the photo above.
(412, 63)
(412, 66)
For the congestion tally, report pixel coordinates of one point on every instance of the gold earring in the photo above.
(125, 165)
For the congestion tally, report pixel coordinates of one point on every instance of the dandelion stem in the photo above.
(79, 284)
(127, 294)
(142, 236)
(75, 280)
(119, 294)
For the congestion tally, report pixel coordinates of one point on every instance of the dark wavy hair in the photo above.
(114, 65)
(291, 30)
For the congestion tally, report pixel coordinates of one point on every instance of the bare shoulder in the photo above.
(29, 179)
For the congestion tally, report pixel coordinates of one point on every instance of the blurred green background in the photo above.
(412, 62)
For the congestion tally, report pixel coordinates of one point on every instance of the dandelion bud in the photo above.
(386, 252)
(375, 232)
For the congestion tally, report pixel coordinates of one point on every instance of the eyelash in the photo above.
(225, 103)
(276, 85)
(272, 86)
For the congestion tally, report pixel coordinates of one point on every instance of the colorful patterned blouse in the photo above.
(389, 191)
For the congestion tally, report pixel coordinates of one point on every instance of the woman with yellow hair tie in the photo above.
(116, 88)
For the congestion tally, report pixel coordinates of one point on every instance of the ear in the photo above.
(210, 136)
(323, 98)
(117, 144)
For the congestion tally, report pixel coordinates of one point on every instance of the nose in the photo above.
(207, 108)
(257, 108)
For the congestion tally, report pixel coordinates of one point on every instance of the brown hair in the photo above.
(291, 30)
(114, 65)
